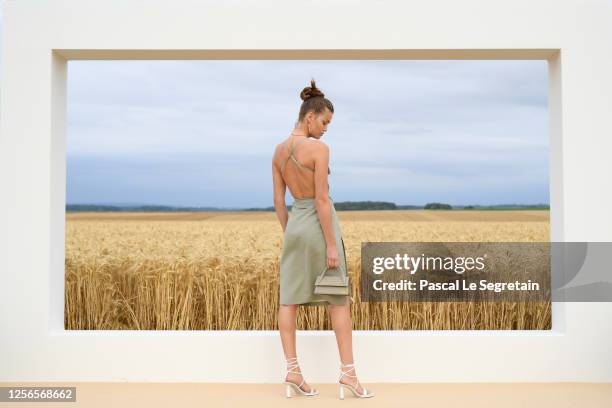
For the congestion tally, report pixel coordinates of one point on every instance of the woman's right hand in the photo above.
(332, 257)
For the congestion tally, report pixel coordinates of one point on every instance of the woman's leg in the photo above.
(342, 324)
(287, 326)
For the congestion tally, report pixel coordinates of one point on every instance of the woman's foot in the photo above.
(353, 381)
(349, 377)
(294, 375)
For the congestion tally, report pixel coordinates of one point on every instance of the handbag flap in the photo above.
(331, 280)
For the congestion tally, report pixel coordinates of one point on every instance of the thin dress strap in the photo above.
(292, 157)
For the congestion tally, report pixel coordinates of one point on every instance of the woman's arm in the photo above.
(279, 195)
(322, 202)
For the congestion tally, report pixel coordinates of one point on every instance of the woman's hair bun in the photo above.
(311, 91)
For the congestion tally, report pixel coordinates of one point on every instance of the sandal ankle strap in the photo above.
(351, 365)
(292, 365)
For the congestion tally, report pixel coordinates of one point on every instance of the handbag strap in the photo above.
(326, 269)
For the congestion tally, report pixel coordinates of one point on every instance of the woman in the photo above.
(312, 239)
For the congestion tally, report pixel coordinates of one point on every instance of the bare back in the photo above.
(295, 159)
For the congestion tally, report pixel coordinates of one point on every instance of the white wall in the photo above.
(38, 38)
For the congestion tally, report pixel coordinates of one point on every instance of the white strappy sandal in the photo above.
(366, 393)
(293, 363)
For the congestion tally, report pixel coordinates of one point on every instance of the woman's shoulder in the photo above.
(320, 144)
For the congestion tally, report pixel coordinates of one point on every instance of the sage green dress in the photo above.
(304, 253)
(304, 256)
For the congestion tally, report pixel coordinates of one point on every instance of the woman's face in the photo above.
(318, 123)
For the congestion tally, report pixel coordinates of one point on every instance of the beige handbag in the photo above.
(331, 284)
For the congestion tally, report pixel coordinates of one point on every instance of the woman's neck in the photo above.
(298, 134)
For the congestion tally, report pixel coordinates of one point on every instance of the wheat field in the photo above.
(220, 270)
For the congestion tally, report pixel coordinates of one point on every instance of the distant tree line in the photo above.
(437, 206)
(364, 205)
(340, 206)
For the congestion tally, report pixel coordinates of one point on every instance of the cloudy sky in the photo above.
(202, 133)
